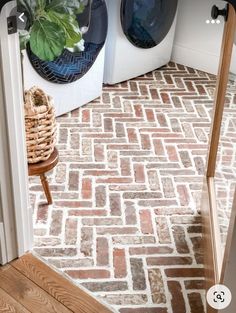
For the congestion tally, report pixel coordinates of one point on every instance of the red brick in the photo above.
(164, 204)
(87, 213)
(139, 173)
(165, 98)
(146, 222)
(100, 195)
(115, 205)
(88, 274)
(117, 230)
(73, 204)
(195, 284)
(99, 153)
(157, 286)
(114, 180)
(100, 173)
(63, 135)
(163, 230)
(85, 116)
(56, 224)
(168, 187)
(153, 180)
(86, 241)
(132, 136)
(158, 146)
(172, 153)
(112, 158)
(122, 147)
(138, 275)
(180, 239)
(198, 249)
(195, 302)
(102, 251)
(60, 176)
(185, 272)
(73, 180)
(108, 125)
(106, 286)
(86, 188)
(150, 250)
(185, 158)
(158, 261)
(125, 166)
(102, 221)
(101, 142)
(130, 213)
(71, 231)
(145, 141)
(42, 213)
(138, 110)
(150, 115)
(56, 252)
(119, 263)
(177, 300)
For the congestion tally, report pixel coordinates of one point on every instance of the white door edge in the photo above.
(3, 248)
(17, 215)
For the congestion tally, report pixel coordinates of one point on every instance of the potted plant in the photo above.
(51, 27)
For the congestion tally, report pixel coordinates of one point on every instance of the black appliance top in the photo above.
(2, 3)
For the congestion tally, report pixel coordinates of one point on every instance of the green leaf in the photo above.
(47, 39)
(74, 4)
(57, 6)
(80, 9)
(24, 39)
(65, 6)
(28, 7)
(41, 4)
(69, 25)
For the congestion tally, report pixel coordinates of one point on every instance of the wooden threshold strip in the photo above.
(28, 285)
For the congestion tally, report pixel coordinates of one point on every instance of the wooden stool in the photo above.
(40, 168)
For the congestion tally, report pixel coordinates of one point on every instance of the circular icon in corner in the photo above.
(21, 19)
(219, 297)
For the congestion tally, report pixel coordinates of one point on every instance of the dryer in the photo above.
(74, 78)
(140, 37)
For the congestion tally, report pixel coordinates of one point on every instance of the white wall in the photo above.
(197, 44)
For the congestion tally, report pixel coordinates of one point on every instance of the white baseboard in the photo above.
(3, 248)
(201, 60)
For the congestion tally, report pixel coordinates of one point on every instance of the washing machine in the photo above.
(74, 78)
(140, 37)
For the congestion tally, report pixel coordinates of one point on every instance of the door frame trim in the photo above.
(17, 219)
(211, 234)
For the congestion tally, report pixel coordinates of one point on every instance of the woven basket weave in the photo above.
(40, 125)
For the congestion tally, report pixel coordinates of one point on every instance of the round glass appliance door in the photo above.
(147, 22)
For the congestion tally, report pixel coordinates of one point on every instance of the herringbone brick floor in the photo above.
(125, 222)
(225, 180)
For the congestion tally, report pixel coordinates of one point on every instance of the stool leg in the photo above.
(46, 188)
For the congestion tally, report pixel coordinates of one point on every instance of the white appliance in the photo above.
(140, 37)
(70, 94)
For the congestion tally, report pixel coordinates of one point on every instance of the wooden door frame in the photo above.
(17, 215)
(211, 233)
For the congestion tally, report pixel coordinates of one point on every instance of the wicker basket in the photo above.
(40, 125)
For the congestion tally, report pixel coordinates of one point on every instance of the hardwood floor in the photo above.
(28, 285)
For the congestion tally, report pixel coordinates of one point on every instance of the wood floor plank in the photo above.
(29, 294)
(8, 304)
(58, 286)
(5, 267)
